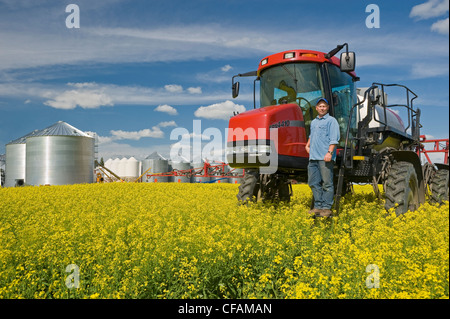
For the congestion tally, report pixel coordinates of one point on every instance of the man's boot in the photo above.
(325, 213)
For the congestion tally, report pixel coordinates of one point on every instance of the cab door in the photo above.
(343, 97)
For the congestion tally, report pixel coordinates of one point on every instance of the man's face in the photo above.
(322, 108)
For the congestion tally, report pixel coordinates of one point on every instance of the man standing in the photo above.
(321, 147)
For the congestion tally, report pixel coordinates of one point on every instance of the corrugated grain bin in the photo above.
(157, 164)
(132, 168)
(200, 179)
(220, 180)
(59, 155)
(237, 172)
(108, 163)
(115, 166)
(224, 169)
(122, 167)
(180, 166)
(15, 162)
(197, 167)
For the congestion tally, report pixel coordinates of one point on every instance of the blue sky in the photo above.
(136, 70)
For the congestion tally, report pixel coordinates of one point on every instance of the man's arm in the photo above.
(329, 154)
(334, 140)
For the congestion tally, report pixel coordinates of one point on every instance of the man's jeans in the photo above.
(320, 179)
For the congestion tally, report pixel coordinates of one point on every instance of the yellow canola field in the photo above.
(125, 240)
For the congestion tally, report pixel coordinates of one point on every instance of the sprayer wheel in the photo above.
(248, 190)
(402, 189)
(439, 186)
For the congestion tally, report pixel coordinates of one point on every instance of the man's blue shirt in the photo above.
(324, 132)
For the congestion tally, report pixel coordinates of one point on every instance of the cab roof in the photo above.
(298, 56)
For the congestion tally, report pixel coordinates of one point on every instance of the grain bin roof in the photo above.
(22, 140)
(61, 128)
(155, 155)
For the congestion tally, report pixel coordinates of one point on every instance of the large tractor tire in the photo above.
(402, 188)
(248, 190)
(285, 192)
(275, 188)
(439, 186)
(264, 187)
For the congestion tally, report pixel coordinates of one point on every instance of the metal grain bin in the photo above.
(157, 164)
(220, 171)
(180, 166)
(237, 172)
(220, 180)
(15, 162)
(197, 167)
(146, 164)
(200, 179)
(108, 163)
(122, 167)
(115, 166)
(59, 155)
(132, 169)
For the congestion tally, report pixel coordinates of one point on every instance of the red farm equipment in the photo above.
(208, 173)
(380, 142)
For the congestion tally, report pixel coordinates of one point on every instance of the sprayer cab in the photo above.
(290, 84)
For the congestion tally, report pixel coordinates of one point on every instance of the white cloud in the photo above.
(441, 26)
(186, 137)
(167, 124)
(83, 85)
(87, 99)
(197, 35)
(217, 75)
(424, 70)
(213, 76)
(166, 109)
(112, 45)
(155, 132)
(221, 111)
(196, 42)
(430, 9)
(173, 88)
(226, 68)
(93, 45)
(195, 90)
(104, 139)
(95, 95)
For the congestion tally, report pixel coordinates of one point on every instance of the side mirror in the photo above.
(235, 89)
(347, 61)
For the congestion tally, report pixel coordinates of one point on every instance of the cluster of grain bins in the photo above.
(128, 169)
(157, 169)
(57, 155)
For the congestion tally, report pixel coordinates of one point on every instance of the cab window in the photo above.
(299, 83)
(344, 97)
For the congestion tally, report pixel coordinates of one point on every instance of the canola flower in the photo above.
(194, 241)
